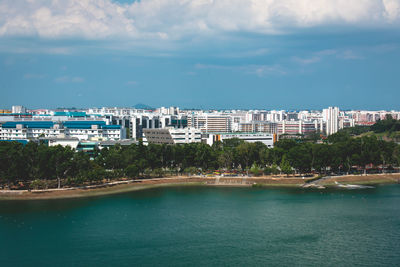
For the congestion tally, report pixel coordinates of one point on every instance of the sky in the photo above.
(209, 54)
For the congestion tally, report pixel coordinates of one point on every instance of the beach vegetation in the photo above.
(256, 170)
(285, 166)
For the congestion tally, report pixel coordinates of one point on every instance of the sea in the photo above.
(206, 226)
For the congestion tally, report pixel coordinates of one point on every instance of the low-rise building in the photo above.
(72, 142)
(259, 126)
(82, 130)
(111, 143)
(171, 136)
(297, 127)
(265, 138)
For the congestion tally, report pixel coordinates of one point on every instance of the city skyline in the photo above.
(111, 121)
(142, 106)
(200, 132)
(206, 55)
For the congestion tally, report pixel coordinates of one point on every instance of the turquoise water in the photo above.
(205, 226)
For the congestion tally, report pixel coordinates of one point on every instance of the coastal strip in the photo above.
(142, 184)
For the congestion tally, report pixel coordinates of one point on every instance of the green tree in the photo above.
(232, 143)
(247, 153)
(30, 153)
(341, 136)
(189, 155)
(61, 159)
(226, 158)
(255, 170)
(158, 172)
(190, 170)
(80, 164)
(204, 157)
(142, 165)
(370, 152)
(275, 155)
(96, 173)
(285, 166)
(396, 155)
(113, 157)
(300, 157)
(132, 171)
(286, 144)
(13, 167)
(274, 169)
(321, 157)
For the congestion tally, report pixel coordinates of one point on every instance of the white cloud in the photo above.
(22, 46)
(349, 54)
(176, 19)
(90, 19)
(131, 83)
(248, 53)
(259, 70)
(264, 70)
(29, 76)
(384, 48)
(326, 52)
(318, 56)
(69, 79)
(307, 61)
(9, 61)
(392, 9)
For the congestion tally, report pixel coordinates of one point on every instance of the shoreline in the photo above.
(118, 187)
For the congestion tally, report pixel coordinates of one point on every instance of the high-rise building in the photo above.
(331, 118)
(18, 109)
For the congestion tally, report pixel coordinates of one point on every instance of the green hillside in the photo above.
(387, 129)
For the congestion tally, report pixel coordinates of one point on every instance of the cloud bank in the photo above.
(177, 19)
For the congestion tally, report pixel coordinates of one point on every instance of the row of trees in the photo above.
(34, 162)
(387, 125)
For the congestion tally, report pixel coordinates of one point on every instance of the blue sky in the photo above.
(265, 54)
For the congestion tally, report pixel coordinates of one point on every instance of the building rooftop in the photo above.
(125, 142)
(66, 124)
(70, 113)
(29, 124)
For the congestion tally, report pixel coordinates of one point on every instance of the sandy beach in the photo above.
(141, 184)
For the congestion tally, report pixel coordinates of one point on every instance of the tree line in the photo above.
(388, 125)
(38, 164)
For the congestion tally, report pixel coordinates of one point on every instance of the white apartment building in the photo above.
(168, 111)
(366, 116)
(331, 118)
(259, 126)
(276, 116)
(210, 123)
(239, 117)
(171, 135)
(115, 111)
(297, 127)
(82, 130)
(265, 138)
(139, 122)
(18, 109)
(62, 141)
